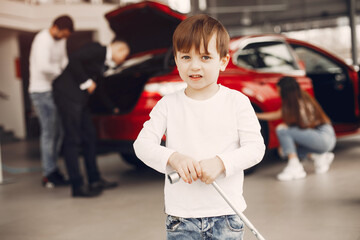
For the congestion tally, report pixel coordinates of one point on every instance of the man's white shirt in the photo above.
(48, 58)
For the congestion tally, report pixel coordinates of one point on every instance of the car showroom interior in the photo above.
(263, 143)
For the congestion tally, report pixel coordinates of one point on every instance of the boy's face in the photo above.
(200, 70)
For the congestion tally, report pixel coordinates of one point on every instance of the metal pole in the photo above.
(352, 18)
(2, 180)
(194, 7)
(1, 175)
(175, 177)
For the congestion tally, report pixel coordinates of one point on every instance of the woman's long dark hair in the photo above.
(298, 107)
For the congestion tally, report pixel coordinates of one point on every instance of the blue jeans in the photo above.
(303, 141)
(51, 133)
(228, 227)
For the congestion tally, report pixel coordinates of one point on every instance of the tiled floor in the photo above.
(321, 207)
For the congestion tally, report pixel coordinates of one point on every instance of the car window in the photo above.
(266, 56)
(316, 63)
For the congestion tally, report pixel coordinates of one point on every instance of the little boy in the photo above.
(212, 132)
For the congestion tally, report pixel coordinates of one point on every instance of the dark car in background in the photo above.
(257, 63)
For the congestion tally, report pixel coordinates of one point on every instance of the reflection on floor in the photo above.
(319, 207)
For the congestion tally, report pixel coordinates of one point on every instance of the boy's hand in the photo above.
(211, 169)
(187, 167)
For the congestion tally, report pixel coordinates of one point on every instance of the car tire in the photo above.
(264, 126)
(131, 159)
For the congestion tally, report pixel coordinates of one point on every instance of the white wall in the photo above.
(12, 109)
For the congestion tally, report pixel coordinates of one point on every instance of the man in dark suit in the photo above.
(71, 92)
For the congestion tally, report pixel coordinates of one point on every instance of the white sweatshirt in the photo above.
(225, 126)
(47, 59)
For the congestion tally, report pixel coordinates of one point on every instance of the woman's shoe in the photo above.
(292, 171)
(322, 162)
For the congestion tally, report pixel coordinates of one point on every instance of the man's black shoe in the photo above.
(85, 191)
(103, 184)
(54, 179)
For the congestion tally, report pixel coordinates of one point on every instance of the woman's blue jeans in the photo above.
(309, 140)
(51, 133)
(215, 228)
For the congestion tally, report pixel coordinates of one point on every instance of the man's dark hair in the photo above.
(64, 22)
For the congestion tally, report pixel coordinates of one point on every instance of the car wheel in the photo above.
(264, 126)
(132, 160)
(264, 133)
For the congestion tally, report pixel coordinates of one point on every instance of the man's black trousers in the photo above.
(79, 138)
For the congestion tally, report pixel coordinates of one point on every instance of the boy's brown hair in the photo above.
(197, 30)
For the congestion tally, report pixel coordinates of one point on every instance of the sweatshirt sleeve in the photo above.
(251, 144)
(88, 54)
(147, 145)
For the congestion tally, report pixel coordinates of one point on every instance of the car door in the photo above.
(333, 87)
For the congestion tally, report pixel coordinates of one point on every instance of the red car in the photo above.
(257, 63)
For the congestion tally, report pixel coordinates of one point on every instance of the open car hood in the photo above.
(145, 26)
